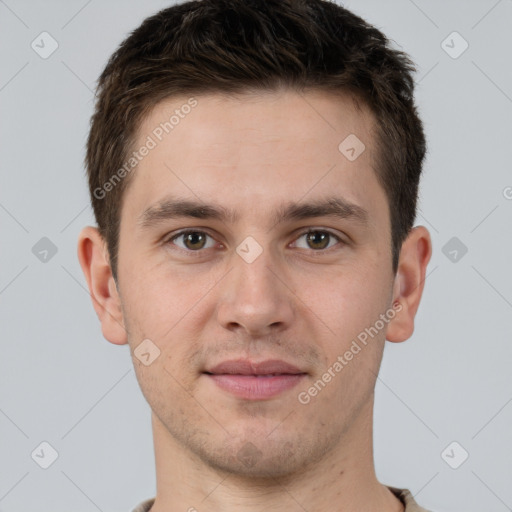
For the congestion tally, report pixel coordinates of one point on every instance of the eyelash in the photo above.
(200, 251)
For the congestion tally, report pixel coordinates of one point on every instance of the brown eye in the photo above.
(192, 240)
(318, 240)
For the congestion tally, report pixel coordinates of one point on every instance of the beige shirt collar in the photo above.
(402, 494)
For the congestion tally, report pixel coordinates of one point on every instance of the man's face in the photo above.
(211, 296)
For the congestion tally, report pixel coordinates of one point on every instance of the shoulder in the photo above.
(144, 506)
(407, 499)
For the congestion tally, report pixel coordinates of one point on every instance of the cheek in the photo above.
(159, 300)
(346, 299)
(350, 306)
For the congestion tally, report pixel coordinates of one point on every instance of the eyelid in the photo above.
(314, 229)
(297, 235)
(176, 234)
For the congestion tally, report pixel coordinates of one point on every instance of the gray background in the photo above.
(62, 383)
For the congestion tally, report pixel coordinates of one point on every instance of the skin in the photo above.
(297, 301)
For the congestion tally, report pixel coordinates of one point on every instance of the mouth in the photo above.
(255, 381)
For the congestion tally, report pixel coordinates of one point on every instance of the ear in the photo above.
(409, 281)
(93, 257)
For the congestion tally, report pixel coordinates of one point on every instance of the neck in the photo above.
(343, 480)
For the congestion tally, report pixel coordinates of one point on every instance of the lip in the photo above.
(255, 380)
(247, 367)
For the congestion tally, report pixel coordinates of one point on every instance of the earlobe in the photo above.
(409, 282)
(93, 258)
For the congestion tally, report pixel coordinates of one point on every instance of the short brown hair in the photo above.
(232, 46)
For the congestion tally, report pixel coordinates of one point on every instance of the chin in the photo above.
(261, 458)
(251, 462)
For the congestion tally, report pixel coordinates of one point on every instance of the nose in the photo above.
(255, 297)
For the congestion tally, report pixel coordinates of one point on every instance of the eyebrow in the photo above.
(174, 208)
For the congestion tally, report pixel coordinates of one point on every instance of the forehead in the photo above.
(256, 149)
